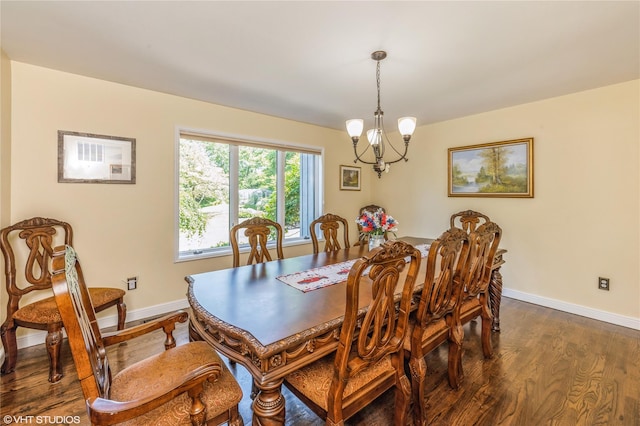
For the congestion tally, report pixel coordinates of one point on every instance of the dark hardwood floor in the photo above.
(549, 368)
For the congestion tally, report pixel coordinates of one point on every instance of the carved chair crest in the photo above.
(329, 225)
(258, 232)
(468, 220)
(38, 235)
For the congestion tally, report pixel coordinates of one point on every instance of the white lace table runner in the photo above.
(313, 279)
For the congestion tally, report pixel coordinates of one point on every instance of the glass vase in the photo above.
(375, 241)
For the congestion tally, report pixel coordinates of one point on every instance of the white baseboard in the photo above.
(38, 337)
(572, 308)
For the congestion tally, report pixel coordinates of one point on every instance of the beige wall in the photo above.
(5, 157)
(127, 230)
(5, 139)
(584, 221)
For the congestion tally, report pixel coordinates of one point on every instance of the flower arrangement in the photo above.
(376, 223)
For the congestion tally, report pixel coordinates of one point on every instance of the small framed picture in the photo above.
(88, 158)
(349, 178)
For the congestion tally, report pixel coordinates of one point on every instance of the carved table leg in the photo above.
(268, 406)
(495, 297)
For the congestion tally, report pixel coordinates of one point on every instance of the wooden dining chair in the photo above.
(435, 320)
(484, 243)
(258, 231)
(183, 385)
(364, 238)
(468, 220)
(369, 359)
(329, 224)
(26, 247)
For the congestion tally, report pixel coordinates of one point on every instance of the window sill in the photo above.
(226, 251)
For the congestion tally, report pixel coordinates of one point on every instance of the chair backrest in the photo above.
(79, 318)
(384, 326)
(483, 243)
(329, 224)
(371, 208)
(442, 289)
(40, 235)
(257, 230)
(468, 220)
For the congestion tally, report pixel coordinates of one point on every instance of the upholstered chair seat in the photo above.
(45, 311)
(314, 381)
(435, 334)
(217, 397)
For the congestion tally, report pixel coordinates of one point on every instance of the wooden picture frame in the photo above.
(496, 169)
(349, 178)
(90, 158)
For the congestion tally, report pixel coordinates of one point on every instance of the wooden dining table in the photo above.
(270, 327)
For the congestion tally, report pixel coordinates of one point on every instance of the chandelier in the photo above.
(377, 136)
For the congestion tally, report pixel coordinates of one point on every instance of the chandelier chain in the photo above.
(378, 82)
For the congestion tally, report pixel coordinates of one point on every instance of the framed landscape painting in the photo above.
(350, 178)
(497, 169)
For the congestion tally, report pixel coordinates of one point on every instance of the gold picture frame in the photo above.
(349, 178)
(496, 169)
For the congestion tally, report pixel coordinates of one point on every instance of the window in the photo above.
(90, 152)
(224, 180)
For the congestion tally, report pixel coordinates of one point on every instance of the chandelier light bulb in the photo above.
(373, 136)
(354, 127)
(407, 125)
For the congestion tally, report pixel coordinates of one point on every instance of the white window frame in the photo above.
(233, 183)
(91, 152)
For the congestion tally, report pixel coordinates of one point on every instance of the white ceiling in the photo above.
(310, 61)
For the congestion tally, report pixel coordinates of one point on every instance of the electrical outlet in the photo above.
(132, 283)
(603, 283)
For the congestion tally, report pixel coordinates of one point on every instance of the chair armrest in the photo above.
(167, 323)
(106, 412)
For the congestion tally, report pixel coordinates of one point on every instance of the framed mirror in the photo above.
(89, 158)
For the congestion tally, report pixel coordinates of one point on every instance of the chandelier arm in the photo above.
(402, 156)
(359, 156)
